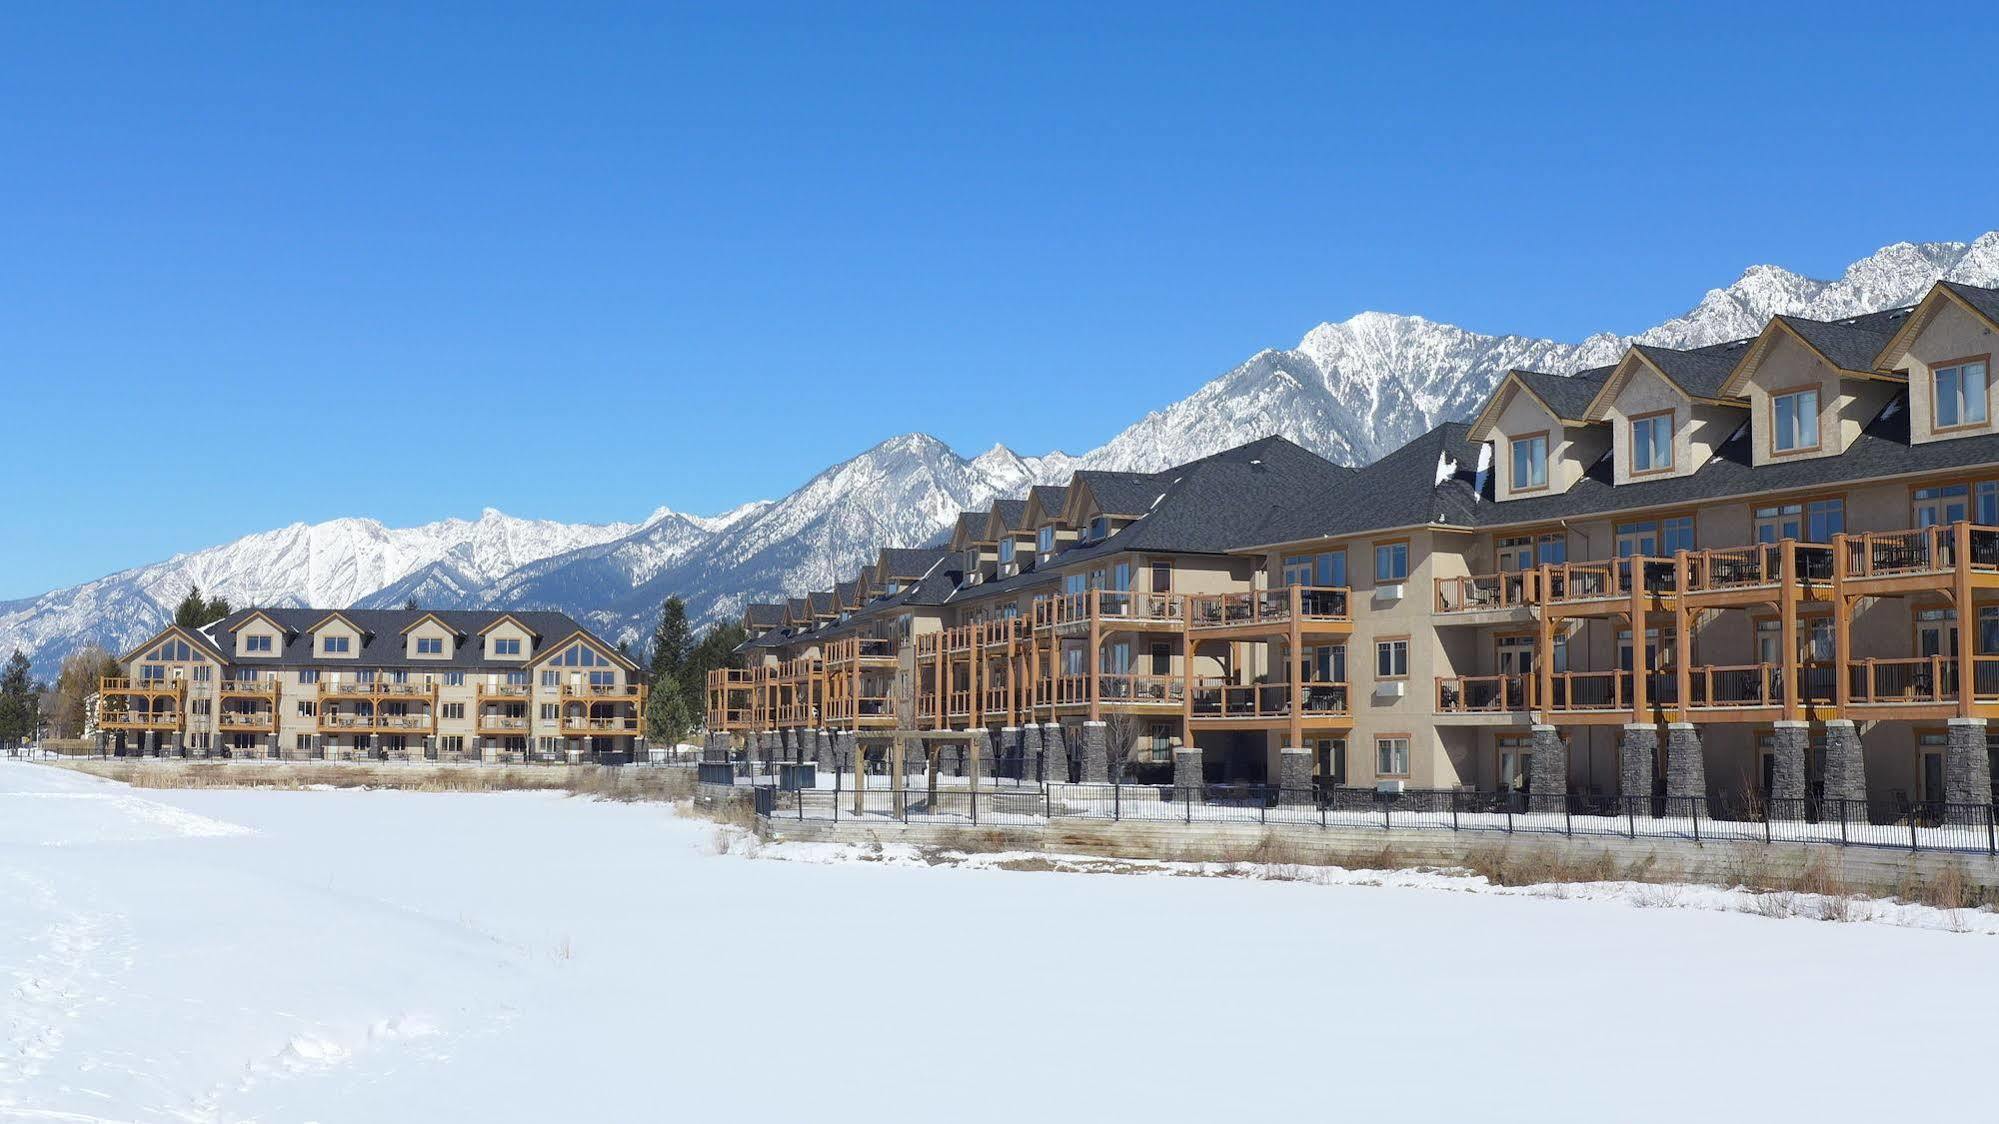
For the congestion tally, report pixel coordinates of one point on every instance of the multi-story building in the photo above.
(1766, 568)
(365, 683)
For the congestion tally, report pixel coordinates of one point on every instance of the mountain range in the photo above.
(1352, 391)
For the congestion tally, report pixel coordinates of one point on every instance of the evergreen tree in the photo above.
(20, 701)
(670, 640)
(195, 611)
(410, 605)
(668, 720)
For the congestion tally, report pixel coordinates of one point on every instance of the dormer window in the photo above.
(1961, 395)
(1652, 442)
(1100, 528)
(257, 645)
(335, 645)
(1044, 539)
(430, 645)
(1794, 420)
(1530, 463)
(507, 646)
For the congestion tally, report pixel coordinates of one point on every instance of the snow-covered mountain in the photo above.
(1362, 387)
(339, 562)
(1353, 391)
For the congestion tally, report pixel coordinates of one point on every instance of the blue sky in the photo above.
(581, 261)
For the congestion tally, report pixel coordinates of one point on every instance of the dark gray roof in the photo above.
(1125, 493)
(382, 642)
(1701, 371)
(910, 562)
(1849, 345)
(822, 602)
(843, 593)
(1983, 299)
(972, 523)
(1010, 511)
(1401, 489)
(763, 614)
(1568, 395)
(1045, 500)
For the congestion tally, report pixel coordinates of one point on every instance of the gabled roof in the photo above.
(196, 638)
(429, 617)
(1004, 516)
(762, 614)
(847, 595)
(337, 615)
(258, 614)
(1847, 346)
(823, 604)
(1429, 480)
(1698, 374)
(1976, 300)
(909, 563)
(1044, 502)
(547, 651)
(1119, 493)
(382, 632)
(969, 529)
(1566, 397)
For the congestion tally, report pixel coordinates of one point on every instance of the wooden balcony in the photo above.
(1481, 593)
(503, 692)
(860, 651)
(247, 689)
(1221, 703)
(1752, 574)
(601, 693)
(247, 721)
(1268, 612)
(1598, 588)
(1485, 694)
(142, 720)
(1887, 562)
(1125, 609)
(147, 688)
(577, 725)
(861, 710)
(502, 724)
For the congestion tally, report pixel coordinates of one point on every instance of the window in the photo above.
(152, 673)
(452, 710)
(1960, 393)
(1162, 577)
(1794, 421)
(203, 671)
(1005, 553)
(1044, 539)
(507, 646)
(335, 645)
(603, 679)
(1100, 528)
(1935, 507)
(548, 712)
(1391, 756)
(1391, 659)
(257, 645)
(1326, 663)
(307, 708)
(173, 651)
(454, 679)
(1652, 442)
(1075, 583)
(1530, 463)
(308, 678)
(1637, 540)
(1162, 658)
(1676, 534)
(451, 743)
(1391, 562)
(551, 678)
(1327, 569)
(581, 655)
(430, 645)
(517, 678)
(1120, 576)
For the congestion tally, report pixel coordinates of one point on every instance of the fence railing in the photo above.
(1868, 823)
(1472, 593)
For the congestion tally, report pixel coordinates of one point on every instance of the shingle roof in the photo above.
(1044, 500)
(1568, 395)
(1401, 489)
(763, 614)
(1848, 345)
(822, 602)
(382, 641)
(1010, 511)
(911, 562)
(1983, 299)
(1125, 493)
(1700, 371)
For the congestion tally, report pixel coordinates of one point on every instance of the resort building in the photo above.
(377, 684)
(1762, 570)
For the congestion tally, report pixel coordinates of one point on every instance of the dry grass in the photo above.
(605, 782)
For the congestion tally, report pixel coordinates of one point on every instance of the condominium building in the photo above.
(376, 684)
(1769, 567)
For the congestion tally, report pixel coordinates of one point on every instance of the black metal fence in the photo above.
(1919, 826)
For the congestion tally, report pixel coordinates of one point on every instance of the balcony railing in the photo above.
(248, 688)
(1220, 699)
(1473, 593)
(1590, 690)
(1485, 694)
(1142, 690)
(1330, 604)
(601, 692)
(624, 725)
(502, 723)
(1925, 550)
(1760, 565)
(860, 649)
(121, 686)
(860, 707)
(247, 720)
(141, 720)
(505, 690)
(1913, 681)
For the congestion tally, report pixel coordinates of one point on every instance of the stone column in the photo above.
(271, 747)
(982, 753)
(1030, 748)
(1789, 743)
(1294, 775)
(822, 751)
(845, 747)
(1054, 752)
(1686, 769)
(1845, 772)
(374, 745)
(1008, 751)
(1096, 753)
(1548, 770)
(1637, 764)
(1967, 772)
(1187, 779)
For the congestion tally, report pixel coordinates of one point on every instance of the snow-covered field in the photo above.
(345, 955)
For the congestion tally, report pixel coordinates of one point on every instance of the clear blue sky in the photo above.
(576, 262)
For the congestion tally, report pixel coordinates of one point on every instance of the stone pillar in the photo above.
(1030, 748)
(822, 751)
(982, 753)
(1789, 743)
(1008, 753)
(1055, 752)
(1686, 769)
(845, 751)
(1967, 772)
(1187, 779)
(1096, 753)
(1845, 772)
(1548, 770)
(1637, 764)
(271, 747)
(1294, 775)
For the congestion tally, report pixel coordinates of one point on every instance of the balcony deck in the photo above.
(1314, 610)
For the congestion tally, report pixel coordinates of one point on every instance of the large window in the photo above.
(1937, 506)
(430, 645)
(1326, 569)
(1676, 534)
(1652, 442)
(1391, 562)
(1391, 659)
(1044, 539)
(1795, 421)
(1530, 463)
(1391, 756)
(507, 646)
(257, 645)
(334, 645)
(1960, 393)
(1816, 521)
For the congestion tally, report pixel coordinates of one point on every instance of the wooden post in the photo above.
(1842, 636)
(1790, 666)
(1967, 619)
(1544, 651)
(1683, 635)
(1092, 660)
(1638, 664)
(976, 705)
(1187, 672)
(1012, 670)
(1296, 672)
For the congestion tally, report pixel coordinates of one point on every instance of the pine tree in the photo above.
(195, 611)
(668, 721)
(20, 701)
(670, 640)
(410, 605)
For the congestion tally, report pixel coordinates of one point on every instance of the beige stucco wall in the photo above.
(1951, 335)
(1571, 449)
